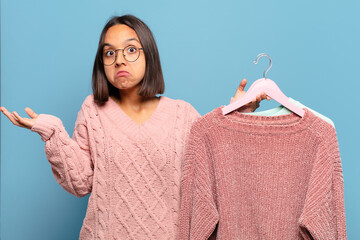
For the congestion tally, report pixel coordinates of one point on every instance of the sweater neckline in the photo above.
(129, 125)
(257, 124)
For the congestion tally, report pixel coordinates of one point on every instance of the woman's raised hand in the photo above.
(15, 118)
(251, 106)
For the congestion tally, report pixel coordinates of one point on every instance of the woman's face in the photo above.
(123, 74)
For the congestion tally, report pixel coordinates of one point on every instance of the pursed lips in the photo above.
(122, 74)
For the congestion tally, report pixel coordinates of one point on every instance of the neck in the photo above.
(130, 98)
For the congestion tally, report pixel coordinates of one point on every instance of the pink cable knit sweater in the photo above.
(132, 171)
(257, 177)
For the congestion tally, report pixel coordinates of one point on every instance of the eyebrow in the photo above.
(132, 39)
(128, 40)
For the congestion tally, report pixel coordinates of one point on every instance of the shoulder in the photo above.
(323, 129)
(182, 106)
(88, 108)
(89, 104)
(174, 102)
(89, 101)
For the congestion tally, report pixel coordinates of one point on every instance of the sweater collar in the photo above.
(129, 126)
(256, 124)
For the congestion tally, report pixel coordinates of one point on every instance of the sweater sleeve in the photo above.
(70, 158)
(198, 215)
(323, 216)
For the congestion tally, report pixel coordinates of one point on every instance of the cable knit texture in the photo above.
(132, 171)
(257, 177)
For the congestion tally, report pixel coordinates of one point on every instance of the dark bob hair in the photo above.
(153, 81)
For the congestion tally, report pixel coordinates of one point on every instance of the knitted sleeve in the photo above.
(69, 158)
(198, 214)
(323, 216)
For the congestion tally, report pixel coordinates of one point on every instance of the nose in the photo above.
(120, 58)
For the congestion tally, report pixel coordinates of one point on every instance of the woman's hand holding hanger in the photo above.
(252, 106)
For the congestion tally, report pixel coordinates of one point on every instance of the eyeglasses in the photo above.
(130, 53)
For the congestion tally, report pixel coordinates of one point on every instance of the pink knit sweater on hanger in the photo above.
(256, 177)
(132, 171)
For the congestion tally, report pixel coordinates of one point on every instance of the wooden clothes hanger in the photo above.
(267, 86)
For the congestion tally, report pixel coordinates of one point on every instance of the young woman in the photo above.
(128, 144)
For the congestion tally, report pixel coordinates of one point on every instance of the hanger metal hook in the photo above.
(270, 64)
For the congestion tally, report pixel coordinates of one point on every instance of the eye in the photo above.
(109, 53)
(131, 49)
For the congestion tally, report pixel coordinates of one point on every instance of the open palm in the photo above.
(15, 118)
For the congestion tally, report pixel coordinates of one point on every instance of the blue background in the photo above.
(206, 48)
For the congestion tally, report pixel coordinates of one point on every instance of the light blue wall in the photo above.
(206, 48)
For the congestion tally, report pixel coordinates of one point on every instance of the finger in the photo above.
(31, 113)
(17, 117)
(263, 96)
(2, 109)
(20, 120)
(258, 98)
(242, 85)
(240, 90)
(9, 116)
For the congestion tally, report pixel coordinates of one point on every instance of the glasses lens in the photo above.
(109, 57)
(131, 53)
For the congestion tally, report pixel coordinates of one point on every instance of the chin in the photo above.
(127, 86)
(120, 84)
